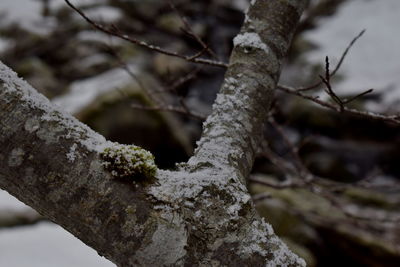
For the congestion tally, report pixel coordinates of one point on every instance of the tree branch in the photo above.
(200, 214)
(232, 133)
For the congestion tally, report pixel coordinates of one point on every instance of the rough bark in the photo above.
(199, 215)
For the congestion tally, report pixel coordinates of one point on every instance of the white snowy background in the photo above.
(373, 63)
(374, 60)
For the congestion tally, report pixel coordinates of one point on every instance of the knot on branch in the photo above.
(250, 41)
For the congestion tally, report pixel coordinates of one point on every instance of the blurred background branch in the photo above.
(14, 218)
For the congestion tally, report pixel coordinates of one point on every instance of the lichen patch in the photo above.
(32, 125)
(250, 40)
(128, 162)
(72, 154)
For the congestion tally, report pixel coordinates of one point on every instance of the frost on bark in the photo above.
(199, 215)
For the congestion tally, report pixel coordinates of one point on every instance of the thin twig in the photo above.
(114, 31)
(261, 196)
(346, 51)
(298, 163)
(337, 67)
(189, 31)
(125, 66)
(281, 163)
(327, 81)
(395, 119)
(346, 101)
(171, 108)
(174, 87)
(182, 80)
(159, 103)
(322, 191)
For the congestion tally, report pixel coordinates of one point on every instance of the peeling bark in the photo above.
(199, 215)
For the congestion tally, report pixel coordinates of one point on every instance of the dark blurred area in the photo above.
(350, 216)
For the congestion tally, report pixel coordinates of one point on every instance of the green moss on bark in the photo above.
(129, 162)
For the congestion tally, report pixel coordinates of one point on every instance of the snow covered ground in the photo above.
(373, 63)
(43, 245)
(85, 91)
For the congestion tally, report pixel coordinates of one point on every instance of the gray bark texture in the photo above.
(199, 215)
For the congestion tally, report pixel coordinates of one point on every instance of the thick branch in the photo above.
(50, 161)
(232, 133)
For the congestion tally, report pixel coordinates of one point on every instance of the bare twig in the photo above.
(282, 185)
(281, 163)
(395, 119)
(327, 81)
(346, 101)
(189, 31)
(149, 93)
(346, 51)
(298, 163)
(114, 31)
(171, 108)
(261, 196)
(321, 190)
(157, 101)
(182, 101)
(318, 10)
(335, 202)
(337, 67)
(182, 80)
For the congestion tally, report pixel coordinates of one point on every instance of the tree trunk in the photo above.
(201, 214)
